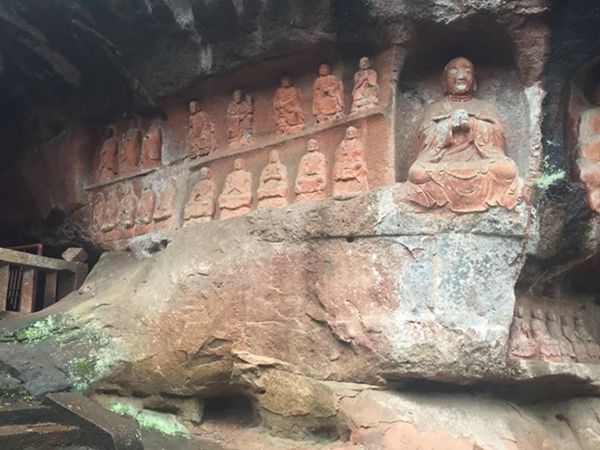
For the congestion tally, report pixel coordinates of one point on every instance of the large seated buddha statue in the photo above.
(461, 162)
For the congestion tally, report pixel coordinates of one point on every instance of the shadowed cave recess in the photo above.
(316, 224)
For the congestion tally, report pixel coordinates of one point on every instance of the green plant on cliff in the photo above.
(151, 420)
(49, 327)
(548, 179)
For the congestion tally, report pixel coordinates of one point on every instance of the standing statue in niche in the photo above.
(350, 168)
(461, 161)
(312, 174)
(152, 148)
(328, 96)
(553, 324)
(365, 93)
(201, 205)
(146, 208)
(589, 151)
(522, 344)
(201, 139)
(240, 119)
(287, 106)
(111, 212)
(108, 156)
(548, 347)
(130, 151)
(568, 330)
(236, 197)
(273, 184)
(128, 208)
(166, 202)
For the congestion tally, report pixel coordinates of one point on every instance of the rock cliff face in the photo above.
(370, 322)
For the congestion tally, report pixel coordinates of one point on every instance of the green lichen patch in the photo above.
(60, 328)
(151, 420)
(547, 180)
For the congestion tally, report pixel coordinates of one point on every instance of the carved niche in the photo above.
(130, 148)
(240, 119)
(201, 139)
(554, 332)
(461, 161)
(152, 148)
(109, 164)
(166, 202)
(365, 93)
(287, 107)
(589, 151)
(350, 168)
(201, 205)
(236, 197)
(272, 189)
(312, 174)
(328, 96)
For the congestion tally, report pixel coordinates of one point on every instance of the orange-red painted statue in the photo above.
(272, 189)
(201, 133)
(589, 152)
(152, 148)
(312, 174)
(201, 205)
(236, 197)
(461, 161)
(240, 119)
(287, 106)
(365, 93)
(328, 96)
(108, 156)
(350, 168)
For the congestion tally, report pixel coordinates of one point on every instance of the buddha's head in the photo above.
(204, 173)
(238, 95)
(324, 69)
(351, 133)
(566, 321)
(239, 164)
(194, 107)
(364, 63)
(538, 313)
(459, 77)
(286, 81)
(551, 316)
(274, 156)
(312, 145)
(521, 311)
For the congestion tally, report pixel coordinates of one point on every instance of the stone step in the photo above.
(24, 414)
(40, 436)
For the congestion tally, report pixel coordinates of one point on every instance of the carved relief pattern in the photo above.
(365, 93)
(552, 333)
(201, 132)
(461, 160)
(287, 106)
(312, 174)
(201, 205)
(328, 96)
(236, 197)
(240, 119)
(350, 169)
(273, 184)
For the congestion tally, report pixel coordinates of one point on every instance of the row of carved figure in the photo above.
(546, 335)
(328, 104)
(461, 161)
(130, 153)
(123, 212)
(236, 198)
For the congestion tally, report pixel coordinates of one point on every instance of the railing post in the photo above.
(50, 288)
(28, 290)
(4, 277)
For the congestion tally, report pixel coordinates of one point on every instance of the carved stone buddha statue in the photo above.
(461, 161)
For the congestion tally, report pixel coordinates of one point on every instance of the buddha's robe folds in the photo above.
(273, 186)
(366, 90)
(152, 148)
(201, 206)
(236, 197)
(350, 170)
(328, 98)
(130, 155)
(240, 118)
(288, 110)
(312, 177)
(201, 135)
(467, 170)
